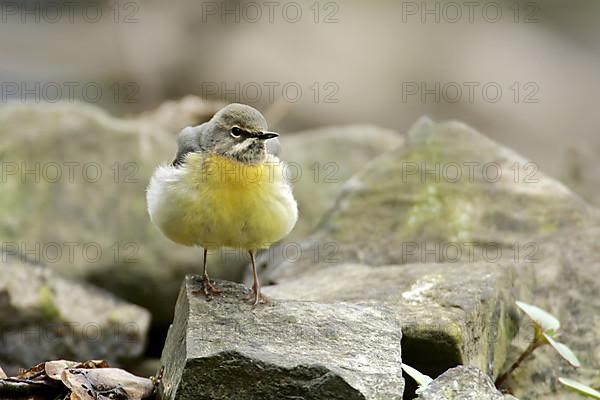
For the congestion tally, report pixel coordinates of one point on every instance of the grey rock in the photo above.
(450, 313)
(461, 383)
(395, 205)
(287, 349)
(567, 285)
(581, 172)
(320, 161)
(479, 193)
(45, 317)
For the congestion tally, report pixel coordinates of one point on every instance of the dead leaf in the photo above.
(54, 369)
(32, 372)
(106, 384)
(93, 364)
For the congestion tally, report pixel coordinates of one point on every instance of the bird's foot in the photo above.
(208, 290)
(255, 297)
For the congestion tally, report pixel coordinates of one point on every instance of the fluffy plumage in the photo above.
(213, 201)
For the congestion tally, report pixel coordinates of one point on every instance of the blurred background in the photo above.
(338, 62)
(524, 73)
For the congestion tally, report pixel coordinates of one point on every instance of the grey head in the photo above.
(236, 131)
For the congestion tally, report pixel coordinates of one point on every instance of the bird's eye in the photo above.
(236, 132)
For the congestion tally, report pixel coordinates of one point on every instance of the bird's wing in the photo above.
(188, 141)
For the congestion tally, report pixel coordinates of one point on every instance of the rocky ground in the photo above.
(409, 248)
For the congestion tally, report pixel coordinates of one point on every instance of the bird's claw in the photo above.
(255, 298)
(208, 290)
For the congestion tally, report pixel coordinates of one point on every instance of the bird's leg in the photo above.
(255, 297)
(207, 289)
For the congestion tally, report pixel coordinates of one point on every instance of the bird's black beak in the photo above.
(267, 135)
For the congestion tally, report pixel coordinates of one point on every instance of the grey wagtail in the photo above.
(225, 188)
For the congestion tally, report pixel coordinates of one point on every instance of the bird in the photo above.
(226, 187)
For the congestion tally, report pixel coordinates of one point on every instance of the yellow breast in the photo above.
(219, 202)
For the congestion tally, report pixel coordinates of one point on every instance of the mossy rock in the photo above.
(447, 185)
(45, 317)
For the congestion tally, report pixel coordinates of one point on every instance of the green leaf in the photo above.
(547, 321)
(564, 351)
(580, 387)
(422, 379)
